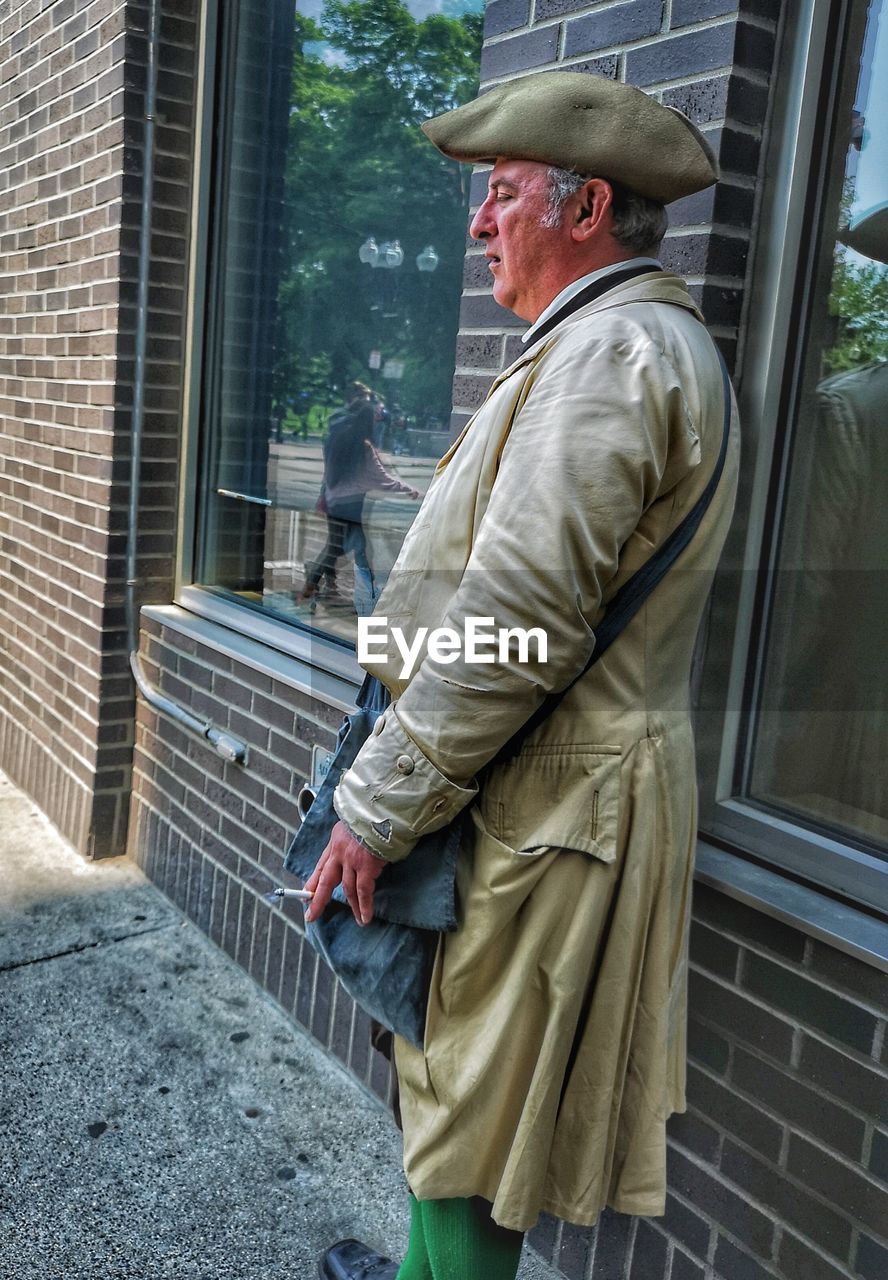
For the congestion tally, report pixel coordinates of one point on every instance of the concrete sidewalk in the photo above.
(160, 1116)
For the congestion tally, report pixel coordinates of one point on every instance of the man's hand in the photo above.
(344, 860)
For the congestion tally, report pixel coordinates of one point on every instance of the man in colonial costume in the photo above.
(554, 1048)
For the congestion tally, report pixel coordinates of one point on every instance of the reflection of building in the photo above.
(779, 1170)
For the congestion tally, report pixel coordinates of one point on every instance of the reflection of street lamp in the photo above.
(369, 252)
(390, 255)
(428, 259)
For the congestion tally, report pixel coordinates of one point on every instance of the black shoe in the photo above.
(351, 1260)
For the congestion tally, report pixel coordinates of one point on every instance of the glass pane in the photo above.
(339, 235)
(821, 741)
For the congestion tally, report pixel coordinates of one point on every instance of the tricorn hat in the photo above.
(585, 123)
(867, 233)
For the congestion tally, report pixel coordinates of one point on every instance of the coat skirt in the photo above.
(555, 1041)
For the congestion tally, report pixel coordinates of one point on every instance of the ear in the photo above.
(590, 210)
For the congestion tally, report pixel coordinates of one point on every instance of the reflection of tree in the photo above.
(859, 302)
(358, 165)
(859, 298)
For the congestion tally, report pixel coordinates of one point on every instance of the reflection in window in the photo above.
(821, 740)
(339, 236)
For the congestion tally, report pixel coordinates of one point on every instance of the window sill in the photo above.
(812, 913)
(336, 687)
(312, 648)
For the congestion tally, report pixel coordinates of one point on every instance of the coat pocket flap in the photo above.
(561, 798)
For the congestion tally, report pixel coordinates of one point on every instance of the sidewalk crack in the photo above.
(87, 946)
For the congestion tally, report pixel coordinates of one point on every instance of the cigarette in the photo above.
(301, 895)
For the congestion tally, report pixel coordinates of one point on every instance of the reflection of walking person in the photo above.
(352, 467)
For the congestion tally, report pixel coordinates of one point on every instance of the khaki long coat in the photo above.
(555, 1040)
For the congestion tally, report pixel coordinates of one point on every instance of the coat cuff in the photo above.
(393, 794)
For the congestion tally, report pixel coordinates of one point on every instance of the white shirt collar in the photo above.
(576, 285)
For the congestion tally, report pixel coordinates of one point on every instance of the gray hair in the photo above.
(639, 223)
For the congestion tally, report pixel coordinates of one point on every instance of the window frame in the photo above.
(775, 322)
(309, 648)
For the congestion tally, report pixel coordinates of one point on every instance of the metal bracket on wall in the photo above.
(228, 747)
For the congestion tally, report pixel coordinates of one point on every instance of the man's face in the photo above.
(525, 257)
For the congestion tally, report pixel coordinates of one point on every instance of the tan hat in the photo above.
(868, 233)
(585, 123)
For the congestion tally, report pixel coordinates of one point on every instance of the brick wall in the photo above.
(212, 835)
(778, 1169)
(709, 58)
(71, 102)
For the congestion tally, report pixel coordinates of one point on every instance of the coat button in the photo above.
(379, 725)
(404, 764)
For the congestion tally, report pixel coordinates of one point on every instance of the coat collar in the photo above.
(654, 286)
(593, 284)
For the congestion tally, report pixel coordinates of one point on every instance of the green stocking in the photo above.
(416, 1265)
(464, 1243)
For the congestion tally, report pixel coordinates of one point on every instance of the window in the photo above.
(337, 236)
(803, 779)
